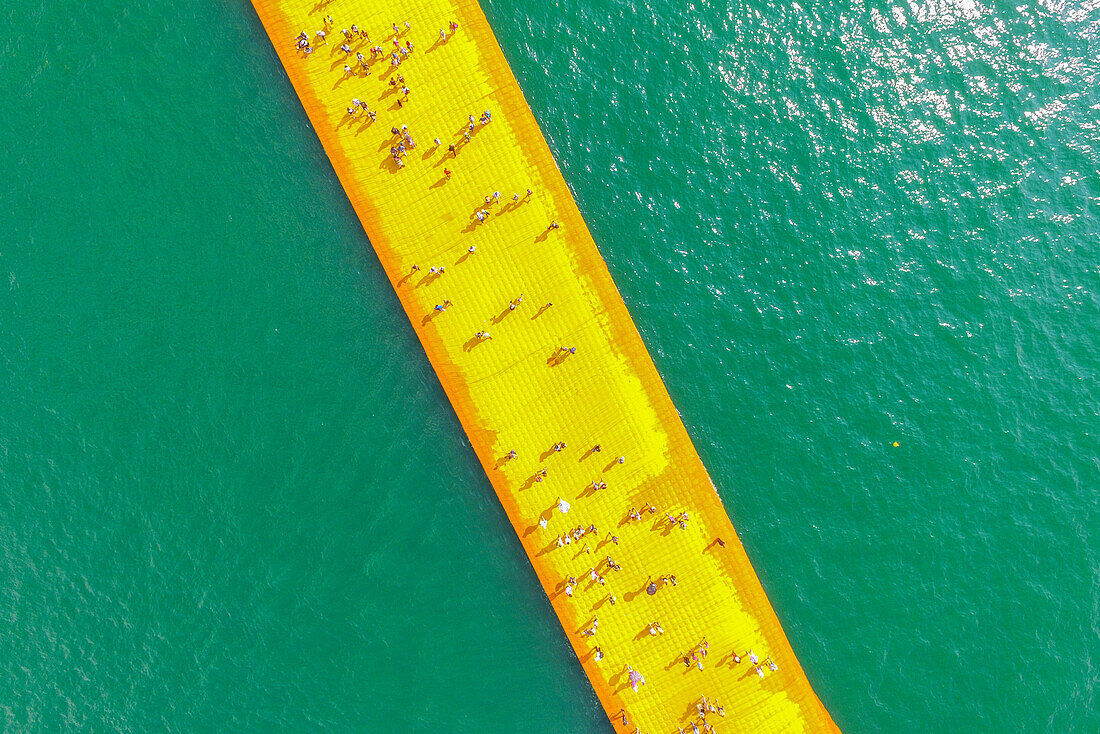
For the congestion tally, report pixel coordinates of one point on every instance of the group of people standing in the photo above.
(402, 142)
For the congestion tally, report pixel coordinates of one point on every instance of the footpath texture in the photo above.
(637, 555)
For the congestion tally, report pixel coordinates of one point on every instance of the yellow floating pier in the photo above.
(558, 368)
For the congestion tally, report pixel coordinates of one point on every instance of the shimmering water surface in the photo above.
(232, 493)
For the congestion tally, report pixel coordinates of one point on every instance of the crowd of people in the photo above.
(358, 65)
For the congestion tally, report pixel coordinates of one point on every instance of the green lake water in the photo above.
(234, 497)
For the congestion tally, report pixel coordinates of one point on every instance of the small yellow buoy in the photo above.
(896, 444)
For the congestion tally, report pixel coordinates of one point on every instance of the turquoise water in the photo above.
(234, 497)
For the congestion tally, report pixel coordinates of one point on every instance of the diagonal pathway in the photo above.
(536, 351)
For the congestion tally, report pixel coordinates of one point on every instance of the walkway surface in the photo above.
(514, 388)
